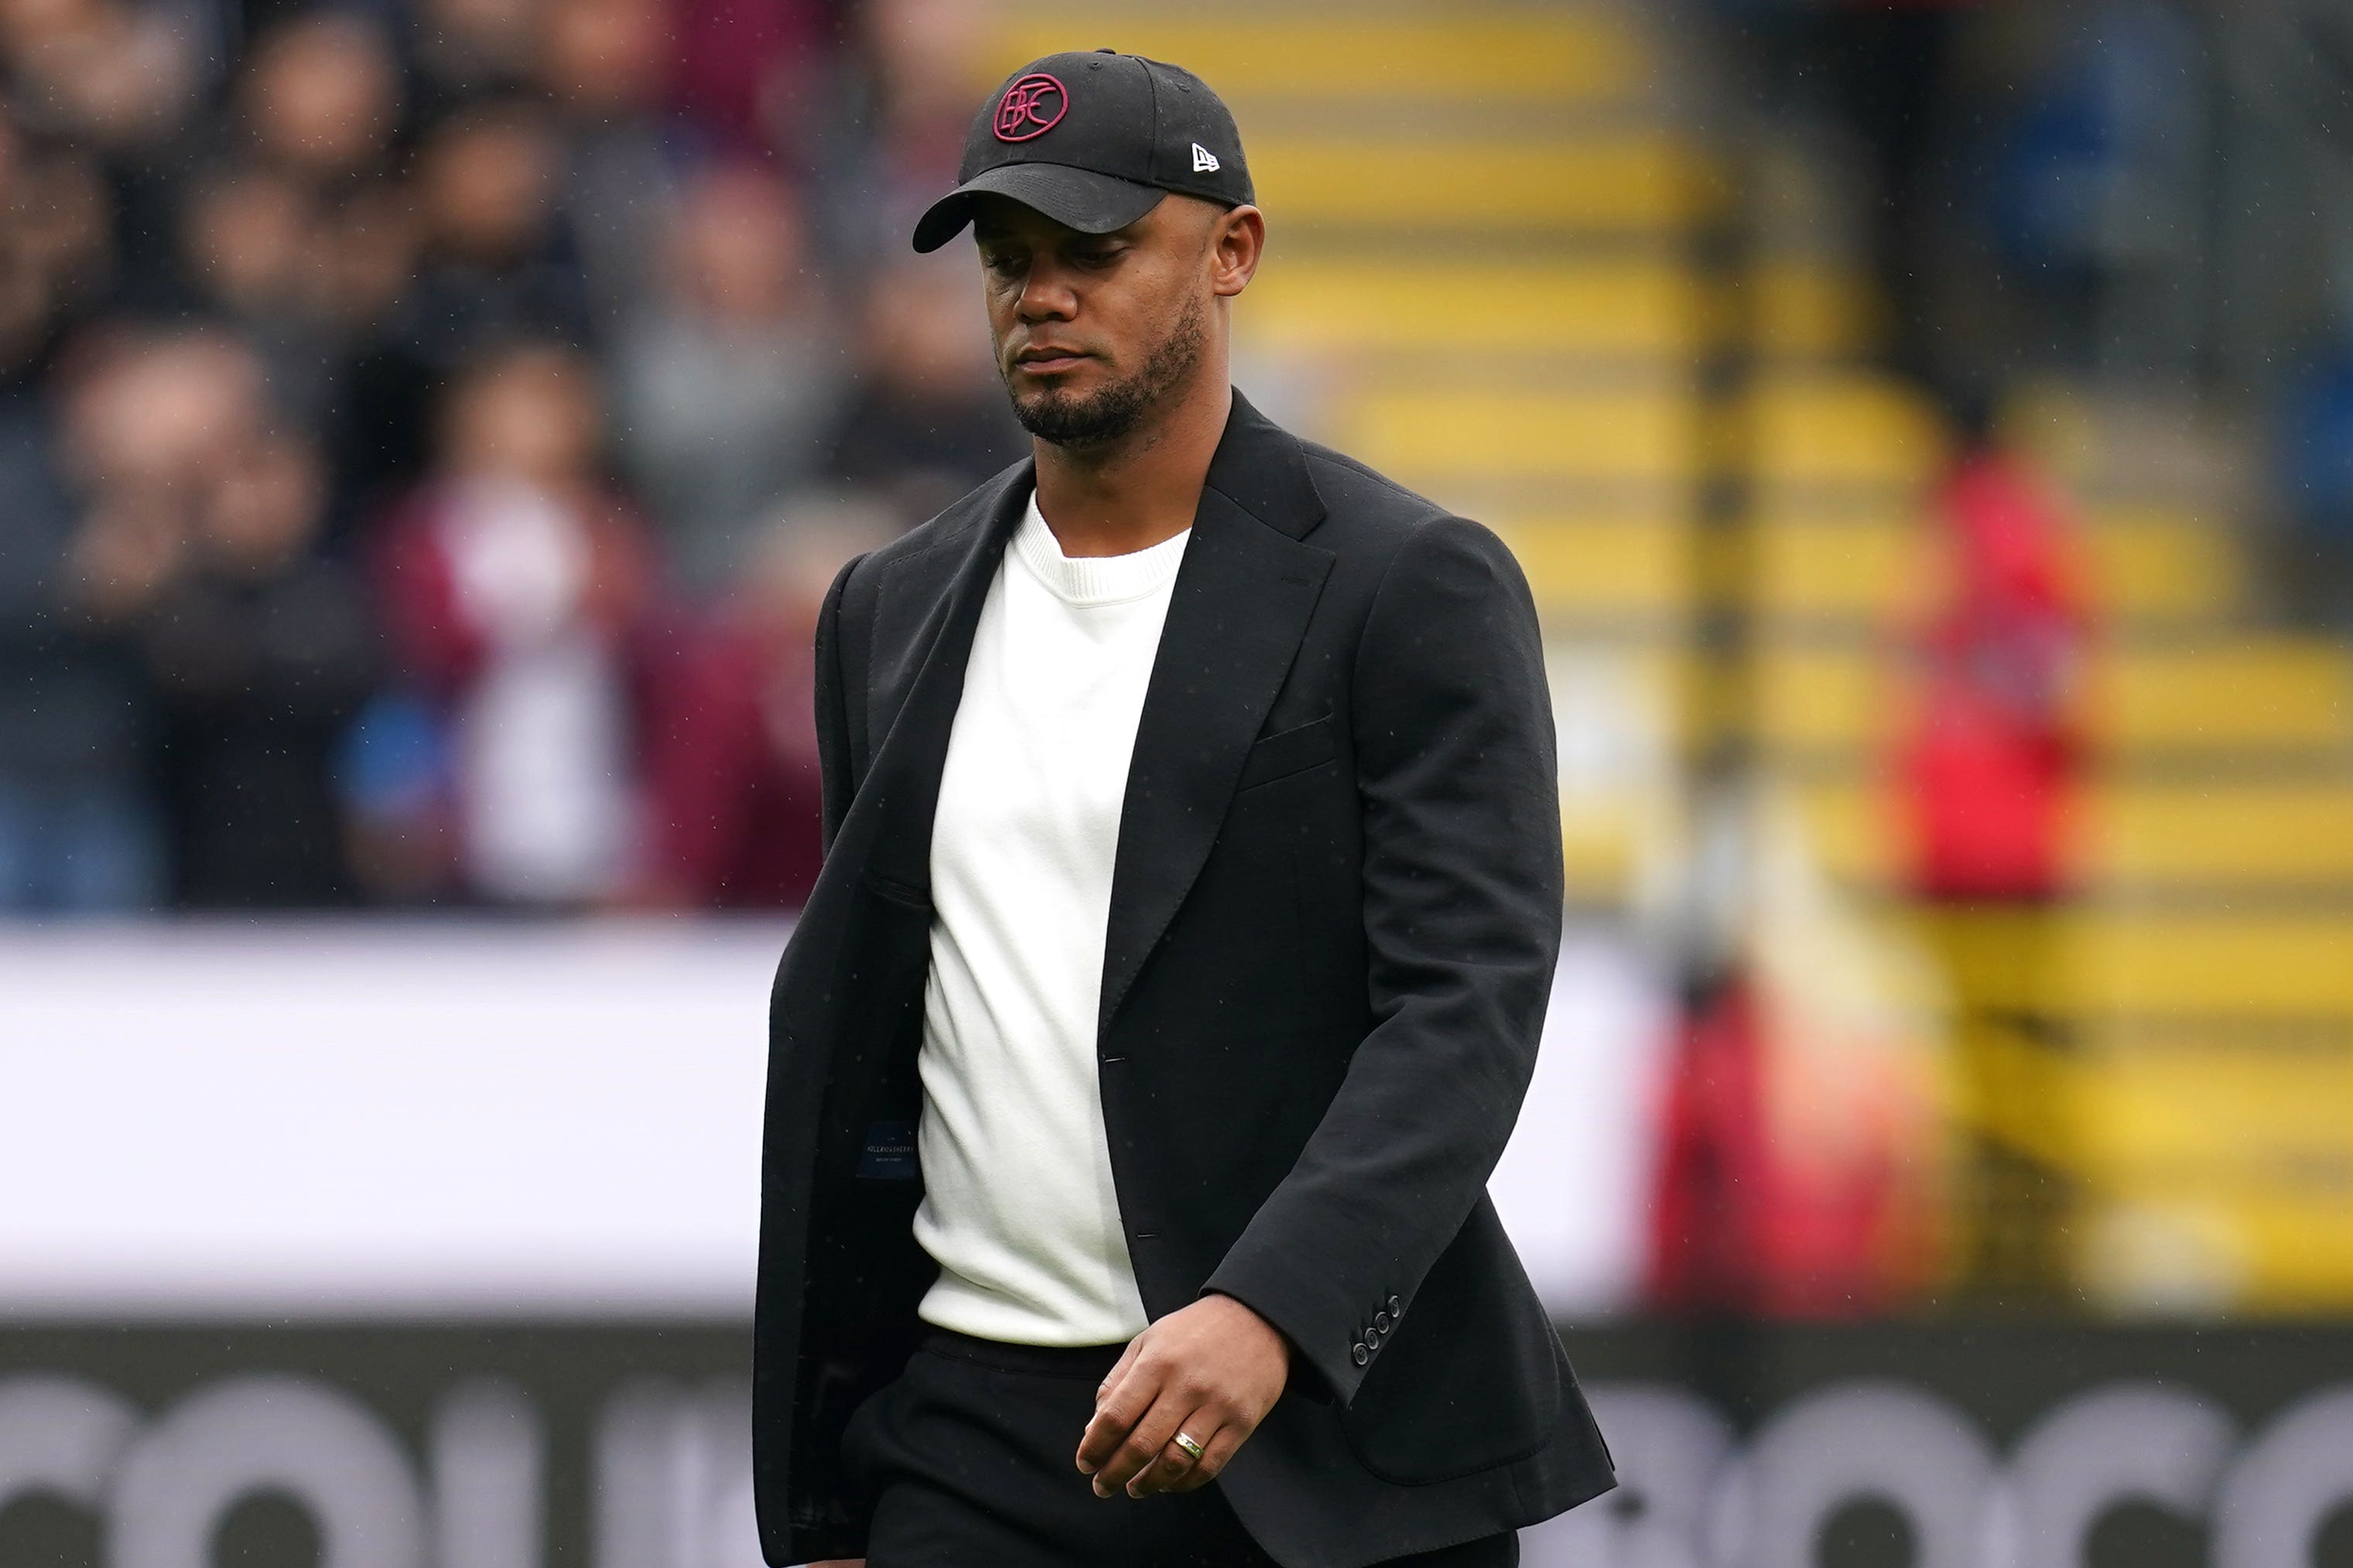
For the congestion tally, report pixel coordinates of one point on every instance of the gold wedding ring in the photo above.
(1191, 1446)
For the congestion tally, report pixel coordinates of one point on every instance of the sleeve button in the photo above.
(1359, 1353)
(1396, 1307)
(1381, 1322)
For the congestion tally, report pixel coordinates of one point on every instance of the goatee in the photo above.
(1112, 412)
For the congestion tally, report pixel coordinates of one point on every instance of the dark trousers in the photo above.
(970, 1455)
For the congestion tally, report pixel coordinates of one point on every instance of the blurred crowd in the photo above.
(427, 426)
(2148, 198)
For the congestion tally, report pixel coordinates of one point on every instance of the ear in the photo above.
(1236, 240)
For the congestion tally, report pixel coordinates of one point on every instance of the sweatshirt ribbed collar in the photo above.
(1094, 579)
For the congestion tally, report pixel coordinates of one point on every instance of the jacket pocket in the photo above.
(1288, 752)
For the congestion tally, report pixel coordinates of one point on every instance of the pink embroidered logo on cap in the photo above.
(1030, 106)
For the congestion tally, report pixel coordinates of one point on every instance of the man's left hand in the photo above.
(1211, 1370)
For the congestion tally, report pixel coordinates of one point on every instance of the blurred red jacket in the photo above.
(1989, 765)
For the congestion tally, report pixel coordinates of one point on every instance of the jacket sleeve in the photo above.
(835, 781)
(1462, 889)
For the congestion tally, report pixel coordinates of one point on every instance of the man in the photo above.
(1191, 899)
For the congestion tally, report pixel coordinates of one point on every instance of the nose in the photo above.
(1046, 295)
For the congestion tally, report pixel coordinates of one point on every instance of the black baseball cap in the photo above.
(1094, 141)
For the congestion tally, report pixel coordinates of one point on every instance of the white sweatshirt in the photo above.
(1019, 1208)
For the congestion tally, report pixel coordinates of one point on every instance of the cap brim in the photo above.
(1079, 198)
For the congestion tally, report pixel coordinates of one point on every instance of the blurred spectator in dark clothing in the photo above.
(293, 231)
(607, 64)
(1878, 72)
(497, 259)
(250, 239)
(375, 427)
(929, 419)
(156, 422)
(77, 831)
(731, 797)
(1886, 63)
(493, 261)
(519, 586)
(258, 651)
(727, 379)
(116, 80)
(890, 124)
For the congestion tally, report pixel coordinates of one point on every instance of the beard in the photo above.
(1114, 411)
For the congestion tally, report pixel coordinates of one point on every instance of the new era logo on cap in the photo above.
(1204, 161)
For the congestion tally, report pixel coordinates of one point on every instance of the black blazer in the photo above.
(1335, 908)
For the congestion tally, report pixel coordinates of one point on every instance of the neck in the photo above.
(1131, 494)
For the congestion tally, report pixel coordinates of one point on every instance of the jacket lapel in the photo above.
(1237, 612)
(903, 783)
